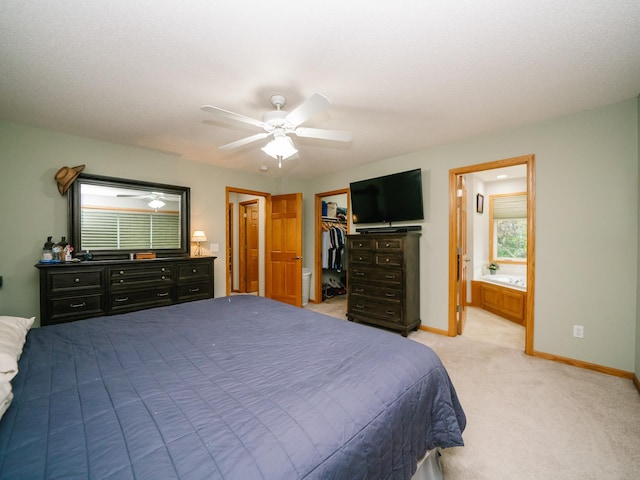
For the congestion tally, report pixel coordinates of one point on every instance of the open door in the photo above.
(249, 246)
(284, 248)
(462, 257)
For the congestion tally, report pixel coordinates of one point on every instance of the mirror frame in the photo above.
(75, 227)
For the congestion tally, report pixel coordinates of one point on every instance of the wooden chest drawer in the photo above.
(386, 276)
(135, 298)
(361, 257)
(389, 244)
(360, 243)
(64, 282)
(73, 308)
(146, 276)
(194, 272)
(375, 292)
(194, 291)
(388, 259)
(387, 311)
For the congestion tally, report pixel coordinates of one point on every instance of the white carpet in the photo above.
(529, 418)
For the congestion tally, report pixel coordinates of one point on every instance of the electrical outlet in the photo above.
(578, 331)
(214, 247)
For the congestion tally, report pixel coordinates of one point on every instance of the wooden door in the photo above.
(284, 248)
(461, 239)
(252, 246)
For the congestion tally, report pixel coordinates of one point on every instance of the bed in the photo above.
(238, 387)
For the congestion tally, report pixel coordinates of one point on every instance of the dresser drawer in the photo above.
(392, 277)
(360, 257)
(387, 311)
(390, 259)
(389, 244)
(360, 243)
(73, 308)
(194, 291)
(135, 298)
(376, 292)
(194, 272)
(140, 277)
(61, 282)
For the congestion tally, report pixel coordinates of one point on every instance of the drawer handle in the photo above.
(390, 312)
(162, 294)
(78, 305)
(359, 274)
(194, 290)
(360, 306)
(359, 258)
(360, 244)
(162, 269)
(122, 281)
(194, 271)
(390, 277)
(162, 277)
(122, 299)
(77, 280)
(387, 260)
(387, 245)
(359, 290)
(121, 272)
(390, 295)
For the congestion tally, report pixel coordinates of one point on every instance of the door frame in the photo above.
(317, 262)
(529, 161)
(229, 233)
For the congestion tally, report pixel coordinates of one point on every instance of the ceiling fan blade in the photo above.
(310, 107)
(227, 115)
(244, 141)
(337, 135)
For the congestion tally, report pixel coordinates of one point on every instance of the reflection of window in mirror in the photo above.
(508, 227)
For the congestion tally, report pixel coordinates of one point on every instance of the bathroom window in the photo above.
(508, 227)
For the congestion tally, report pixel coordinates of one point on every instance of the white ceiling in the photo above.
(402, 76)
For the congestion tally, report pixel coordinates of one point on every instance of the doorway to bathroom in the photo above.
(466, 201)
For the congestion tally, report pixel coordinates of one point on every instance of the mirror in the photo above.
(113, 217)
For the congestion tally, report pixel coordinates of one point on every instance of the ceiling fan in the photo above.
(280, 123)
(155, 199)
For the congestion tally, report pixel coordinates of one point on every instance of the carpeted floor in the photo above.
(529, 418)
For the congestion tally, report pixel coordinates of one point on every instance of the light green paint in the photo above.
(590, 157)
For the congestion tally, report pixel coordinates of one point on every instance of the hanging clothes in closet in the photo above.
(333, 241)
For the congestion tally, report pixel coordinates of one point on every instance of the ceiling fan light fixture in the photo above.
(280, 146)
(156, 204)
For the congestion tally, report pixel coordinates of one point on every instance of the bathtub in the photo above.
(518, 282)
(504, 295)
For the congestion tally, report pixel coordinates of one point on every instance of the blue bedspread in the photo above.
(230, 388)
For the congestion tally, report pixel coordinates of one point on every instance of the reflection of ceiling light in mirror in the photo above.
(501, 176)
(156, 204)
(280, 146)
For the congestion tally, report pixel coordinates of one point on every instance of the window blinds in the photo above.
(129, 230)
(512, 206)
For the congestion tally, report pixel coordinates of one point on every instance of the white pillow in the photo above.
(6, 395)
(13, 333)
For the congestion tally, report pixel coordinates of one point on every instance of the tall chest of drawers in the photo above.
(383, 277)
(75, 291)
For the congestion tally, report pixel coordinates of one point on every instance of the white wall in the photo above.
(586, 168)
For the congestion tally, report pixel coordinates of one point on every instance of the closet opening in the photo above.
(332, 224)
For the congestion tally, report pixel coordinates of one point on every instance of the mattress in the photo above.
(237, 387)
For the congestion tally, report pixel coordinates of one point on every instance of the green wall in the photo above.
(587, 216)
(587, 219)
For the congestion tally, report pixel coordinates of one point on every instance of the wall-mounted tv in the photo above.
(390, 198)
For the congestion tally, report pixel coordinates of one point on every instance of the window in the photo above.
(122, 229)
(508, 227)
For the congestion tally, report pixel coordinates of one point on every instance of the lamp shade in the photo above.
(280, 146)
(198, 236)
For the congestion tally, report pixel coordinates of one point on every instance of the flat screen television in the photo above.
(390, 198)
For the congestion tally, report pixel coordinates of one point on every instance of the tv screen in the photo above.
(391, 198)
